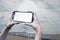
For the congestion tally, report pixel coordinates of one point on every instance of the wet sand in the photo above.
(10, 37)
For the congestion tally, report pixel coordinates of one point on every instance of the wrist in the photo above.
(38, 28)
(8, 26)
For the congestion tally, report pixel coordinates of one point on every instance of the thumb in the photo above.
(28, 24)
(15, 23)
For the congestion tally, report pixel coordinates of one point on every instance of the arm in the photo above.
(36, 26)
(38, 33)
(38, 30)
(5, 31)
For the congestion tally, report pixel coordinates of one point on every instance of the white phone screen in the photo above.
(24, 17)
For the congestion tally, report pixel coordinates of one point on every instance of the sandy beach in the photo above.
(10, 37)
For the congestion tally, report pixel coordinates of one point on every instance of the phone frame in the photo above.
(13, 14)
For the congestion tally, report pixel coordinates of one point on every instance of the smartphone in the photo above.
(23, 16)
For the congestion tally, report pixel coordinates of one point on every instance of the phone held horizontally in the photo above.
(23, 16)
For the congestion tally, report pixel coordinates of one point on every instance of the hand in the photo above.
(35, 25)
(11, 23)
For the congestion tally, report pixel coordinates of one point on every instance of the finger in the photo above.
(36, 17)
(15, 23)
(28, 24)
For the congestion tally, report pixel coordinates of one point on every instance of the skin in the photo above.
(35, 25)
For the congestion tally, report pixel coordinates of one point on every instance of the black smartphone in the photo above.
(23, 16)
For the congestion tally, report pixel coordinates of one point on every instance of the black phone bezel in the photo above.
(13, 14)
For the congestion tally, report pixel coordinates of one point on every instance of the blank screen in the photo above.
(24, 17)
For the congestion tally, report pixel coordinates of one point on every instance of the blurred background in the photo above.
(47, 10)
